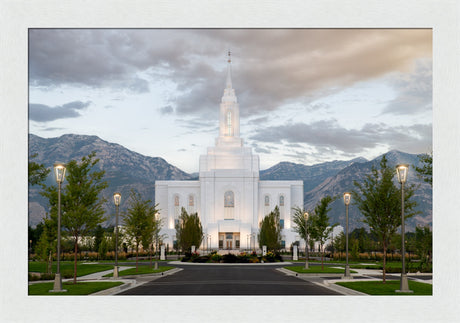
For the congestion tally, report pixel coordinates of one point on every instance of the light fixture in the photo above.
(59, 172)
(402, 170)
(117, 198)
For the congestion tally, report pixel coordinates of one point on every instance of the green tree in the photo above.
(189, 231)
(139, 221)
(98, 236)
(426, 171)
(301, 224)
(424, 244)
(339, 243)
(270, 231)
(321, 228)
(103, 246)
(37, 172)
(379, 200)
(47, 243)
(354, 249)
(34, 235)
(152, 237)
(81, 202)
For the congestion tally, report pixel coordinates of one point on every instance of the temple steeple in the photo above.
(229, 71)
(229, 121)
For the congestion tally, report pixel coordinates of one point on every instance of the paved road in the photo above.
(229, 280)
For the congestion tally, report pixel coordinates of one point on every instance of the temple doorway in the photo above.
(229, 240)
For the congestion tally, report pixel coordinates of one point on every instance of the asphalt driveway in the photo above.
(229, 280)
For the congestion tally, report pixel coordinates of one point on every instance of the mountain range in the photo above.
(126, 169)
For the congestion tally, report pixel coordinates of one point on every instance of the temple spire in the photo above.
(229, 71)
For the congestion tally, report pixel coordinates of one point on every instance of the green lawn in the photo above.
(81, 288)
(141, 271)
(317, 270)
(67, 268)
(378, 288)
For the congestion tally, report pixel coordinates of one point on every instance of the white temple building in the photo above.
(229, 198)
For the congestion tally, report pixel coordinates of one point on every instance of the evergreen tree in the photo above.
(426, 171)
(139, 221)
(189, 231)
(81, 205)
(270, 231)
(379, 200)
(37, 172)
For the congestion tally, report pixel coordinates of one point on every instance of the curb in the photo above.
(228, 264)
(116, 289)
(293, 273)
(324, 283)
(133, 282)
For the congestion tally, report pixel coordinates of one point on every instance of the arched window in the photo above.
(229, 123)
(191, 204)
(267, 200)
(176, 200)
(281, 200)
(176, 210)
(229, 199)
(229, 205)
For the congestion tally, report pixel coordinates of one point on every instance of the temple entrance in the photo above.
(229, 240)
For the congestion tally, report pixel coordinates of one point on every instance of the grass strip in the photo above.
(389, 288)
(317, 270)
(142, 270)
(80, 288)
(67, 267)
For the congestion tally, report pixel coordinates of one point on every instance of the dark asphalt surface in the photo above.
(229, 280)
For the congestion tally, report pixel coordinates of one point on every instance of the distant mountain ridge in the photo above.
(126, 170)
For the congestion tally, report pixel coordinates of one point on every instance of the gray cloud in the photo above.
(415, 92)
(44, 113)
(327, 136)
(167, 110)
(271, 67)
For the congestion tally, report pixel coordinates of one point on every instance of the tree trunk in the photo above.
(137, 254)
(384, 259)
(150, 255)
(50, 263)
(75, 261)
(322, 257)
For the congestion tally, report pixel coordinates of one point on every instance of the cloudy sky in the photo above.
(305, 95)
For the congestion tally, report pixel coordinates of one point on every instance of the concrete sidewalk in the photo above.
(361, 274)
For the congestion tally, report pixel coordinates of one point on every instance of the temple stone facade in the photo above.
(229, 197)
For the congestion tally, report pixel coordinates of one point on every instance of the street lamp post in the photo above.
(306, 239)
(346, 200)
(116, 200)
(59, 172)
(402, 170)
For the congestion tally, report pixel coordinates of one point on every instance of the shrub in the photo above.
(244, 257)
(42, 276)
(201, 259)
(230, 258)
(215, 257)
